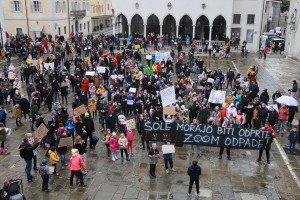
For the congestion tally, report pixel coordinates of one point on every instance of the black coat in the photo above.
(28, 150)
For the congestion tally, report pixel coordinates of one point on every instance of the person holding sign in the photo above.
(168, 158)
(267, 127)
(153, 156)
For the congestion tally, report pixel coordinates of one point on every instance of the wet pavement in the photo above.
(241, 178)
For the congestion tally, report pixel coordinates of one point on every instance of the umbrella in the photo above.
(105, 55)
(288, 100)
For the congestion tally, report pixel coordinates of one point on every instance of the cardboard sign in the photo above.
(170, 110)
(40, 132)
(217, 96)
(48, 66)
(130, 124)
(65, 142)
(114, 76)
(168, 96)
(137, 46)
(101, 70)
(51, 169)
(133, 90)
(148, 57)
(80, 110)
(90, 73)
(120, 76)
(33, 62)
(167, 149)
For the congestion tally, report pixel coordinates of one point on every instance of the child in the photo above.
(92, 107)
(106, 138)
(54, 159)
(44, 172)
(17, 114)
(293, 138)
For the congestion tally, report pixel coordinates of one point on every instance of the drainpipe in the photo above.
(27, 17)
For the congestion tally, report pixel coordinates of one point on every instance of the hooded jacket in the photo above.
(76, 163)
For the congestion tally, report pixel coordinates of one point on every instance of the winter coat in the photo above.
(2, 134)
(194, 171)
(28, 150)
(84, 85)
(293, 136)
(92, 105)
(123, 143)
(113, 144)
(24, 105)
(33, 111)
(130, 135)
(44, 170)
(17, 112)
(76, 163)
(53, 157)
(283, 113)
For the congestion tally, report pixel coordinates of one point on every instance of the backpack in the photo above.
(22, 151)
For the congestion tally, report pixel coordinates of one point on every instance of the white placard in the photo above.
(104, 94)
(217, 96)
(101, 69)
(33, 62)
(130, 124)
(51, 169)
(148, 57)
(168, 148)
(114, 76)
(120, 76)
(168, 96)
(48, 66)
(275, 106)
(90, 73)
(210, 80)
(129, 102)
(133, 90)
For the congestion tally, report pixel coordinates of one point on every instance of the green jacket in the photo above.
(34, 111)
(148, 70)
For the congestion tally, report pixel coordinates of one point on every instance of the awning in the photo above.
(102, 17)
(36, 28)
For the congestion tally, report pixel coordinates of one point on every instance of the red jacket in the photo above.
(269, 128)
(223, 113)
(76, 163)
(85, 85)
(283, 113)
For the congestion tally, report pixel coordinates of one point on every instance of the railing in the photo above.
(78, 13)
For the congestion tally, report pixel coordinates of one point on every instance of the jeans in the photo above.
(113, 154)
(28, 169)
(292, 146)
(192, 180)
(170, 161)
(63, 159)
(45, 182)
(281, 126)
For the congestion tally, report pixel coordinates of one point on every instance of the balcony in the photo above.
(78, 13)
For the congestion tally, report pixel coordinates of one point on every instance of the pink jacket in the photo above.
(113, 144)
(76, 163)
(130, 135)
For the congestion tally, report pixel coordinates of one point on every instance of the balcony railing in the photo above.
(78, 13)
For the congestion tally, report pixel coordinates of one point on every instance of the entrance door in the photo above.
(235, 32)
(76, 26)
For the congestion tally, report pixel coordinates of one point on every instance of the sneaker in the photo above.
(62, 167)
(173, 170)
(167, 171)
(4, 150)
(197, 194)
(116, 157)
(113, 159)
(189, 194)
(228, 158)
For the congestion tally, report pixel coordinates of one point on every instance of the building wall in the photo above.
(292, 46)
(194, 9)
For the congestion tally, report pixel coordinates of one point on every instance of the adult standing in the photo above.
(153, 155)
(26, 152)
(283, 114)
(294, 89)
(194, 171)
(267, 127)
(90, 128)
(76, 163)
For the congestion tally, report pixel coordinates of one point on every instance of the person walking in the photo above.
(194, 171)
(266, 49)
(76, 163)
(283, 114)
(153, 155)
(293, 138)
(44, 172)
(267, 127)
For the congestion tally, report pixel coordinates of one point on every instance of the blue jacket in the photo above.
(2, 115)
(293, 136)
(194, 171)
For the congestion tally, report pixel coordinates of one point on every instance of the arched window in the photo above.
(57, 7)
(64, 7)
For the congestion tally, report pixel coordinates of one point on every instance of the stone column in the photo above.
(210, 32)
(177, 30)
(145, 29)
(194, 27)
(228, 31)
(129, 29)
(118, 28)
(160, 29)
(114, 29)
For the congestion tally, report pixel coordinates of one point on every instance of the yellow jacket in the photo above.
(53, 157)
(154, 68)
(92, 105)
(100, 90)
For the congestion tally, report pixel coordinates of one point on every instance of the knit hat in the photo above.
(44, 162)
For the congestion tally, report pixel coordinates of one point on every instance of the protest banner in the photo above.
(133, 90)
(101, 70)
(207, 135)
(80, 110)
(48, 66)
(40, 132)
(168, 96)
(130, 124)
(113, 76)
(148, 57)
(167, 149)
(33, 62)
(65, 142)
(217, 96)
(90, 73)
(136, 47)
(170, 110)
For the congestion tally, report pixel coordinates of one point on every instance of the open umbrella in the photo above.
(288, 100)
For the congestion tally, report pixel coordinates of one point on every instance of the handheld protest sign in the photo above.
(40, 132)
(80, 110)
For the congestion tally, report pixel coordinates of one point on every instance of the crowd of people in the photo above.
(128, 87)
